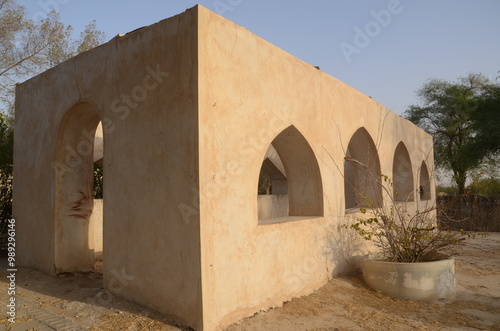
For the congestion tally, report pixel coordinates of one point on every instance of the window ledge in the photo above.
(353, 210)
(286, 219)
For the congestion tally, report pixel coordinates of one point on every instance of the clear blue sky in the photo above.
(418, 40)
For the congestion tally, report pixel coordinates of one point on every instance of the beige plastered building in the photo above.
(197, 116)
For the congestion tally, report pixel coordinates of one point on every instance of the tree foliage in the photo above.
(6, 155)
(29, 47)
(6, 144)
(486, 121)
(484, 186)
(459, 116)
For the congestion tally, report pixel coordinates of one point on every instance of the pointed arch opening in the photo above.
(78, 229)
(289, 186)
(424, 188)
(402, 175)
(362, 185)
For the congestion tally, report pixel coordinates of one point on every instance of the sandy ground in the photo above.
(78, 302)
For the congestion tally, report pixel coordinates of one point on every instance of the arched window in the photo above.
(74, 190)
(290, 185)
(424, 188)
(362, 185)
(402, 175)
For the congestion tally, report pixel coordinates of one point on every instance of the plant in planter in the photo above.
(410, 263)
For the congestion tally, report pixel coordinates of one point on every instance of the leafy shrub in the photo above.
(5, 204)
(98, 182)
(402, 235)
(6, 161)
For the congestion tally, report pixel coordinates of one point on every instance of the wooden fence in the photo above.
(469, 212)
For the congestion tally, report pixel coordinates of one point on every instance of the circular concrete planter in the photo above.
(412, 281)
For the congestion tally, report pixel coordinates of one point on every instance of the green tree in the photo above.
(486, 121)
(455, 115)
(6, 156)
(484, 186)
(29, 47)
(6, 144)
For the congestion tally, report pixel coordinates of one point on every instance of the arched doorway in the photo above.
(76, 222)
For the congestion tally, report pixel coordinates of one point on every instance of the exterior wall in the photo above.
(189, 108)
(144, 89)
(250, 91)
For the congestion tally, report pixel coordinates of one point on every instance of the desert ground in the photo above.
(78, 302)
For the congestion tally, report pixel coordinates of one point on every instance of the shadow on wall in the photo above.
(343, 248)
